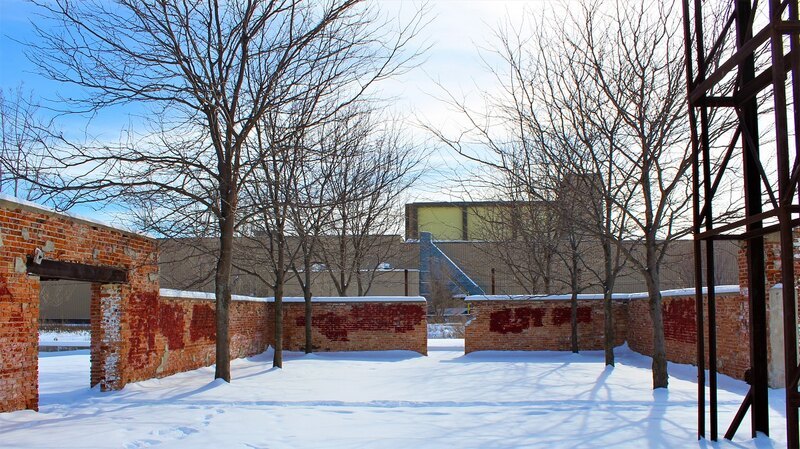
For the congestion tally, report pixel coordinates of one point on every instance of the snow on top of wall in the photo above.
(182, 294)
(719, 290)
(353, 299)
(582, 296)
(78, 217)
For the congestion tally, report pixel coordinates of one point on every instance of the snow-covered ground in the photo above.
(72, 338)
(393, 399)
(445, 330)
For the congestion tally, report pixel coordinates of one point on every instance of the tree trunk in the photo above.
(277, 360)
(342, 253)
(307, 298)
(574, 321)
(574, 281)
(359, 284)
(660, 376)
(608, 305)
(222, 292)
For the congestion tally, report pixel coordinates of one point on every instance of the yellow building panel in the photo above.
(482, 223)
(487, 223)
(444, 222)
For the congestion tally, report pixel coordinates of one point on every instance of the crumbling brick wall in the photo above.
(23, 229)
(170, 335)
(139, 334)
(680, 330)
(539, 324)
(176, 331)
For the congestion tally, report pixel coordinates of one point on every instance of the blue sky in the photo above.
(456, 29)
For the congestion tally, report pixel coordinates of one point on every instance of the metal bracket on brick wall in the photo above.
(429, 252)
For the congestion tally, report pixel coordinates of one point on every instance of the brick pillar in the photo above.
(107, 309)
(772, 277)
(19, 341)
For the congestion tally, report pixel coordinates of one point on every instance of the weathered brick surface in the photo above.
(177, 334)
(772, 275)
(358, 326)
(25, 228)
(525, 324)
(172, 335)
(534, 325)
(680, 331)
(19, 313)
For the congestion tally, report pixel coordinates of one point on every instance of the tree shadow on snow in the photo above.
(562, 357)
(358, 356)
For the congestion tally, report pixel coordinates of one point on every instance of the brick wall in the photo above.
(23, 229)
(358, 326)
(680, 331)
(338, 324)
(539, 324)
(172, 335)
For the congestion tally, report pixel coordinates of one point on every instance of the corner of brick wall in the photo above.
(171, 335)
(680, 331)
(19, 340)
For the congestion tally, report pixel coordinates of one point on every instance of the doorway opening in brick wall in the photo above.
(82, 303)
(64, 316)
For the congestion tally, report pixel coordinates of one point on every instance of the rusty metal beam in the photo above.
(696, 226)
(737, 420)
(53, 270)
(778, 215)
(759, 83)
(732, 62)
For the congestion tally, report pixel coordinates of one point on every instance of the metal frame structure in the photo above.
(767, 209)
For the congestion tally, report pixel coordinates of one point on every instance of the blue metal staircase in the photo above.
(433, 261)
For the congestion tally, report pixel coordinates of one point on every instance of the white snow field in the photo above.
(392, 399)
(76, 338)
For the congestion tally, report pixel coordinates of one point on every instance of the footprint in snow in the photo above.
(177, 433)
(139, 444)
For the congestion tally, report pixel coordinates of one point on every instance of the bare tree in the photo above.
(642, 82)
(21, 134)
(209, 73)
(633, 58)
(585, 131)
(311, 213)
(378, 166)
(609, 88)
(308, 216)
(269, 196)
